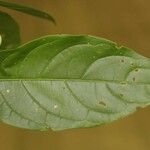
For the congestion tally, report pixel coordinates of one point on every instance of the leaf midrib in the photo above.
(122, 82)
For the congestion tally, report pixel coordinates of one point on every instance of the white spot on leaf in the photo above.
(55, 106)
(7, 91)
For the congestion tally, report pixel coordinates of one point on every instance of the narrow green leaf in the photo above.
(27, 10)
(9, 32)
(65, 81)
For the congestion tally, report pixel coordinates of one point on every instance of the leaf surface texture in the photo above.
(68, 81)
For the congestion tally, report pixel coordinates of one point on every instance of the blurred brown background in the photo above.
(124, 21)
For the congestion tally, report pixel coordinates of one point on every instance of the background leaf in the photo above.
(9, 32)
(27, 10)
(65, 81)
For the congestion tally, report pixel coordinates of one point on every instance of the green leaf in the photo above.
(65, 81)
(9, 32)
(27, 10)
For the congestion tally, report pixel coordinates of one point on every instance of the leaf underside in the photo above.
(65, 81)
